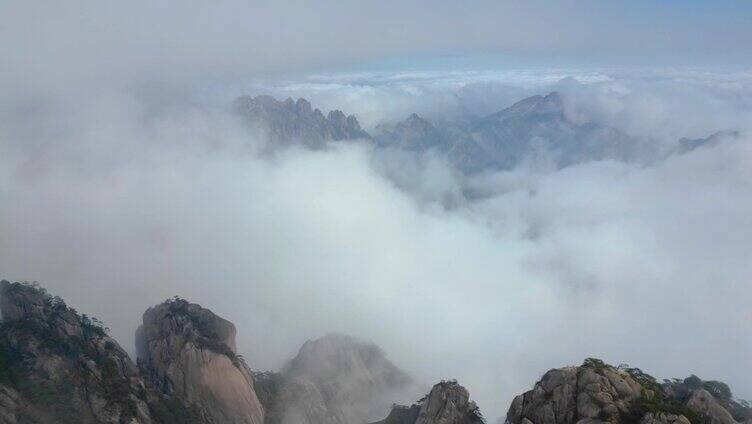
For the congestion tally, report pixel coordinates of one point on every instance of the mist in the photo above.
(126, 180)
(134, 203)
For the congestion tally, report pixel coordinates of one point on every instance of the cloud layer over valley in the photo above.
(119, 202)
(126, 178)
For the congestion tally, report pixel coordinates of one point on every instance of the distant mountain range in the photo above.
(59, 366)
(296, 122)
(533, 129)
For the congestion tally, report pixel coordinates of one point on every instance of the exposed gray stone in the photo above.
(189, 351)
(447, 403)
(703, 403)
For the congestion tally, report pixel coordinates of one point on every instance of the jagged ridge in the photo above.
(533, 129)
(296, 122)
(59, 366)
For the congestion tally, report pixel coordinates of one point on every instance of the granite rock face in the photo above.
(190, 352)
(576, 394)
(447, 403)
(704, 404)
(535, 128)
(663, 418)
(59, 366)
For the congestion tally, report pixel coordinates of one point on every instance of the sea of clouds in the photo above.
(119, 200)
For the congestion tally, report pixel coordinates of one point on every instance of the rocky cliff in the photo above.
(599, 393)
(59, 366)
(190, 352)
(62, 367)
(447, 403)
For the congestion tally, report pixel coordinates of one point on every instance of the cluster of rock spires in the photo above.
(296, 122)
(59, 366)
(535, 128)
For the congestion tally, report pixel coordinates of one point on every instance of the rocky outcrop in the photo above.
(574, 394)
(704, 404)
(599, 393)
(447, 403)
(711, 400)
(59, 366)
(190, 352)
(296, 122)
(336, 379)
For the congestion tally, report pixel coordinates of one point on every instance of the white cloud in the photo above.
(131, 201)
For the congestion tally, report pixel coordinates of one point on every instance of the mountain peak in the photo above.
(335, 379)
(537, 105)
(303, 106)
(336, 353)
(189, 351)
(552, 103)
(447, 402)
(596, 392)
(291, 122)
